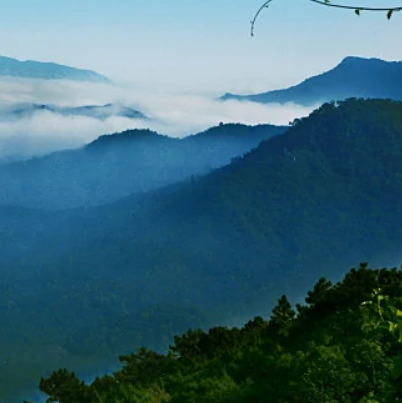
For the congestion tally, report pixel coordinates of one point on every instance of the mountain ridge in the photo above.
(353, 77)
(114, 166)
(101, 112)
(10, 67)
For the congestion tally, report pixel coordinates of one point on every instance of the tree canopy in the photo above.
(343, 345)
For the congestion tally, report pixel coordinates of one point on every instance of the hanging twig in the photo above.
(265, 5)
(327, 3)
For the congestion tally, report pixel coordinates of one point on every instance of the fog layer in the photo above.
(173, 114)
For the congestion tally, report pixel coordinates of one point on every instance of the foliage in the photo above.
(333, 350)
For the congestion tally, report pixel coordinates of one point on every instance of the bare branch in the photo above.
(327, 3)
(265, 5)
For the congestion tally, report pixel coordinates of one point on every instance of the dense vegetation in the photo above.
(208, 251)
(333, 348)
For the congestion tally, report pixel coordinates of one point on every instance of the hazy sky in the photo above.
(196, 45)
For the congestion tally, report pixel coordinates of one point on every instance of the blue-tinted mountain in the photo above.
(101, 112)
(305, 204)
(353, 77)
(121, 164)
(10, 67)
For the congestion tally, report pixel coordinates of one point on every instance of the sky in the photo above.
(187, 45)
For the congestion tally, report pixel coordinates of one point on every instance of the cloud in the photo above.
(173, 114)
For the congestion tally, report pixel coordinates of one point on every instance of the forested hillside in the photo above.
(333, 348)
(212, 250)
(120, 164)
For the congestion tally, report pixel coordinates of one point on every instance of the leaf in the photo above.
(389, 14)
(397, 312)
(392, 326)
(357, 11)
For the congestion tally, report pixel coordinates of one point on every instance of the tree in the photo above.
(64, 387)
(282, 316)
(295, 358)
(390, 319)
(327, 3)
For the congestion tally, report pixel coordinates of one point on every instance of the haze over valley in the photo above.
(41, 116)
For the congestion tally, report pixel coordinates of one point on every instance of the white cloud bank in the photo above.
(175, 115)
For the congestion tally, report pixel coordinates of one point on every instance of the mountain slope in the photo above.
(10, 67)
(319, 196)
(117, 165)
(353, 77)
(297, 200)
(324, 195)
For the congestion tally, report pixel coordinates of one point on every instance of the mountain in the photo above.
(101, 112)
(320, 195)
(318, 198)
(117, 165)
(10, 67)
(353, 77)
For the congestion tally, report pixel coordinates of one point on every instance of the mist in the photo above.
(174, 114)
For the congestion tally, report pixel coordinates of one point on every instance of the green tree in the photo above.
(282, 316)
(64, 387)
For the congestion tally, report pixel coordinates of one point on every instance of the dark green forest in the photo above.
(344, 344)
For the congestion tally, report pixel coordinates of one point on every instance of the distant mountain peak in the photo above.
(350, 61)
(353, 59)
(360, 59)
(127, 136)
(10, 67)
(101, 112)
(354, 76)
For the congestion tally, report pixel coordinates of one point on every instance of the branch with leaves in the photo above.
(393, 322)
(327, 3)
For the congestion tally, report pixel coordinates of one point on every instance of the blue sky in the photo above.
(196, 45)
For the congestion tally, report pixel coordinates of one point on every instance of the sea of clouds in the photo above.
(173, 114)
